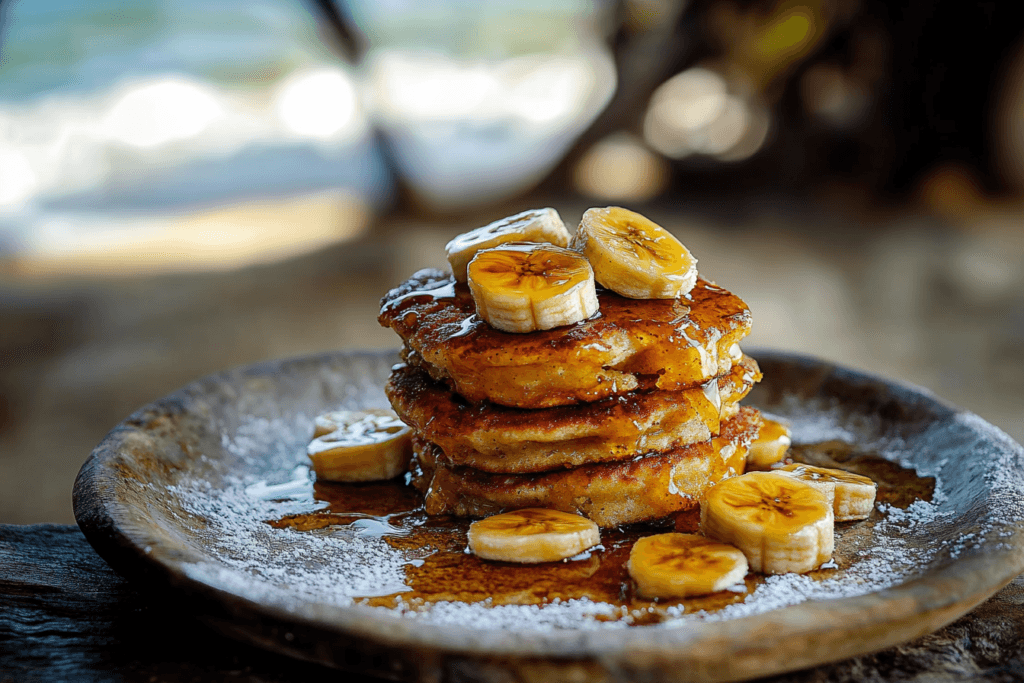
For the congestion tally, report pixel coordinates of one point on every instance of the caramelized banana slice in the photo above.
(780, 523)
(536, 225)
(532, 535)
(853, 495)
(524, 286)
(364, 445)
(684, 565)
(771, 446)
(633, 256)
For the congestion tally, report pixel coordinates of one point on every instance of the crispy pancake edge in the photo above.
(496, 438)
(637, 490)
(630, 344)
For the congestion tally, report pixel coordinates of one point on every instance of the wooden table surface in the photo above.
(66, 616)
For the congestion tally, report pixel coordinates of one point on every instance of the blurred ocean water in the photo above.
(123, 109)
(119, 108)
(64, 46)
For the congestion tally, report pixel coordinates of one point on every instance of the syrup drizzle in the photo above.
(431, 312)
(444, 571)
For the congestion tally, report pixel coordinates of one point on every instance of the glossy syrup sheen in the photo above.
(628, 344)
(435, 309)
(599, 430)
(394, 512)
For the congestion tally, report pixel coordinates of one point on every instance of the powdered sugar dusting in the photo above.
(824, 423)
(339, 565)
(557, 614)
(325, 565)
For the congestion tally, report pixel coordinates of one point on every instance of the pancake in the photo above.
(630, 344)
(497, 438)
(610, 494)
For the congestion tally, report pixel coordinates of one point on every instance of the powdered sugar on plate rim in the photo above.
(336, 566)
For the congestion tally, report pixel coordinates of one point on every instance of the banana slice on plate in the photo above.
(684, 565)
(532, 535)
(335, 420)
(536, 225)
(525, 286)
(780, 523)
(364, 445)
(634, 256)
(853, 496)
(770, 447)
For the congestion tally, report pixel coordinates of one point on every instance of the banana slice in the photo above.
(684, 565)
(853, 495)
(333, 421)
(780, 523)
(523, 286)
(536, 225)
(634, 256)
(365, 445)
(532, 535)
(770, 447)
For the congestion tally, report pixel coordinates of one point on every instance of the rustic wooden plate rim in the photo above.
(816, 632)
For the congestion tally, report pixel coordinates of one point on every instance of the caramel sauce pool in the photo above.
(394, 512)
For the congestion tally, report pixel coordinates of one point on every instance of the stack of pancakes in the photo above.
(627, 416)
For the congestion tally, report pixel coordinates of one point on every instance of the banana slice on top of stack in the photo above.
(523, 279)
(536, 225)
(526, 286)
(634, 256)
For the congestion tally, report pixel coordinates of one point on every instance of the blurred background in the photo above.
(188, 186)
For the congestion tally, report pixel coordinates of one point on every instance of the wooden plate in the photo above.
(178, 496)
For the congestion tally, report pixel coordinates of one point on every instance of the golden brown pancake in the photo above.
(497, 438)
(611, 494)
(668, 344)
